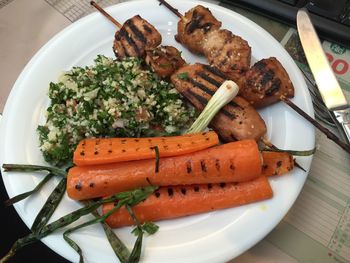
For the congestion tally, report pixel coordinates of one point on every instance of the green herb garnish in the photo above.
(183, 75)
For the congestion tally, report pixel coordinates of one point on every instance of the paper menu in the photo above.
(317, 228)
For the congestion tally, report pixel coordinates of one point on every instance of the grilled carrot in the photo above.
(177, 201)
(277, 163)
(233, 162)
(112, 150)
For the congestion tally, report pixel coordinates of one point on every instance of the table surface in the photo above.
(24, 28)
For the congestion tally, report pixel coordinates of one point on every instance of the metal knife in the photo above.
(326, 81)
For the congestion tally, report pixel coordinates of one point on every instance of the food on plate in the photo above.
(261, 85)
(193, 27)
(224, 50)
(110, 99)
(232, 162)
(177, 201)
(164, 60)
(276, 163)
(236, 121)
(228, 52)
(135, 37)
(222, 96)
(265, 82)
(138, 38)
(111, 150)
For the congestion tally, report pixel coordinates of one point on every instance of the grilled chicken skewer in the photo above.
(200, 32)
(261, 85)
(265, 82)
(236, 121)
(193, 27)
(138, 38)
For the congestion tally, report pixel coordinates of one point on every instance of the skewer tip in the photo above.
(103, 12)
(170, 7)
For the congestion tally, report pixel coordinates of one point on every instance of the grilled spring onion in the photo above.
(40, 229)
(22, 196)
(130, 198)
(49, 207)
(226, 92)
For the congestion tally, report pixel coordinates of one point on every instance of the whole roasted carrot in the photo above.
(112, 150)
(233, 162)
(277, 163)
(178, 201)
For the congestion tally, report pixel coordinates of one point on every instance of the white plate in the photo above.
(217, 236)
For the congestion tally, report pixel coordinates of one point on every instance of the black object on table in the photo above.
(331, 18)
(12, 228)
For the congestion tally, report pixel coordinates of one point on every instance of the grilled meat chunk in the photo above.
(265, 82)
(240, 121)
(236, 121)
(200, 32)
(193, 27)
(228, 52)
(164, 60)
(135, 36)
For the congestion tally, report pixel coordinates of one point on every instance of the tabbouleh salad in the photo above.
(110, 99)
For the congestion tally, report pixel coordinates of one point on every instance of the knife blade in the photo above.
(325, 79)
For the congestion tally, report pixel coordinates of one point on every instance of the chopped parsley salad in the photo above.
(109, 99)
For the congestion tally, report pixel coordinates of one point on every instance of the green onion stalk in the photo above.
(226, 92)
(129, 198)
(40, 228)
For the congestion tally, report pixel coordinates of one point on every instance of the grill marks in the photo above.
(201, 86)
(267, 76)
(209, 167)
(203, 166)
(124, 34)
(137, 33)
(261, 78)
(206, 81)
(275, 86)
(189, 167)
(212, 81)
(215, 71)
(235, 121)
(135, 37)
(147, 29)
(203, 100)
(194, 26)
(175, 191)
(194, 23)
(197, 23)
(265, 82)
(198, 97)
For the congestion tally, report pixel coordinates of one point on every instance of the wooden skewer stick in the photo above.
(108, 16)
(172, 9)
(328, 133)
